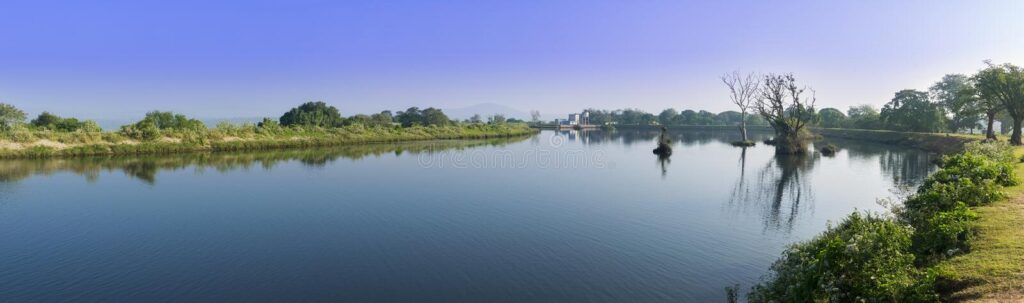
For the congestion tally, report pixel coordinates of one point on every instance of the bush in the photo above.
(829, 150)
(313, 114)
(998, 151)
(976, 167)
(945, 233)
(143, 130)
(864, 258)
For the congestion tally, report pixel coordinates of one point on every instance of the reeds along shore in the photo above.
(42, 143)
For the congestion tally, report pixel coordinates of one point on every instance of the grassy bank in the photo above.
(994, 269)
(956, 238)
(935, 142)
(40, 144)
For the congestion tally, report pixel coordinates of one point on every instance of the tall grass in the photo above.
(228, 137)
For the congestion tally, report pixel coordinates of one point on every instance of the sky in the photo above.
(119, 59)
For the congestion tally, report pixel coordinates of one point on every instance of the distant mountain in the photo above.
(484, 110)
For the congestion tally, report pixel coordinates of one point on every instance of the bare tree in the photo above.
(535, 116)
(780, 103)
(742, 91)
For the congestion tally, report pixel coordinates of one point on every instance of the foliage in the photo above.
(956, 94)
(497, 119)
(829, 150)
(155, 122)
(313, 114)
(48, 121)
(831, 118)
(910, 110)
(865, 258)
(863, 117)
(10, 116)
(786, 109)
(998, 151)
(945, 233)
(426, 117)
(1004, 83)
(265, 135)
(872, 259)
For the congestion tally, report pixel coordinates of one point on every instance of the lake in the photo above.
(557, 217)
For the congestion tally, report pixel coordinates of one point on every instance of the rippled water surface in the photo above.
(558, 217)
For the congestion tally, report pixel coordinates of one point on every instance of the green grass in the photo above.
(993, 271)
(41, 144)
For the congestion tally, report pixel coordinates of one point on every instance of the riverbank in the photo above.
(993, 271)
(943, 143)
(42, 144)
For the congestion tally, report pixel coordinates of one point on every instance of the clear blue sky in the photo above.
(119, 59)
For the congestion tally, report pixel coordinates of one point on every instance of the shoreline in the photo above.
(942, 143)
(54, 144)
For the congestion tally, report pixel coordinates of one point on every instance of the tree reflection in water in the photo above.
(781, 191)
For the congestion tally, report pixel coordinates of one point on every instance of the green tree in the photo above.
(863, 117)
(667, 116)
(496, 119)
(731, 118)
(53, 122)
(313, 114)
(1004, 83)
(957, 95)
(831, 118)
(910, 110)
(384, 118)
(10, 116)
(687, 117)
(172, 121)
(705, 118)
(434, 116)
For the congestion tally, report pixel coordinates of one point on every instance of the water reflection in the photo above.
(645, 136)
(145, 168)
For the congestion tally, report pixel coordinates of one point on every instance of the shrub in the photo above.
(313, 114)
(829, 150)
(864, 258)
(143, 130)
(945, 233)
(976, 167)
(998, 151)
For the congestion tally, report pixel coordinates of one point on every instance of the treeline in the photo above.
(955, 103)
(667, 117)
(155, 124)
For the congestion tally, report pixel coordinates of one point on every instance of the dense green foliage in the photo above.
(831, 118)
(873, 259)
(156, 122)
(910, 110)
(48, 121)
(956, 94)
(1004, 83)
(426, 117)
(668, 116)
(10, 116)
(863, 259)
(313, 114)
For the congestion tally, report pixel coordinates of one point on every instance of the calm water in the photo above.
(559, 217)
